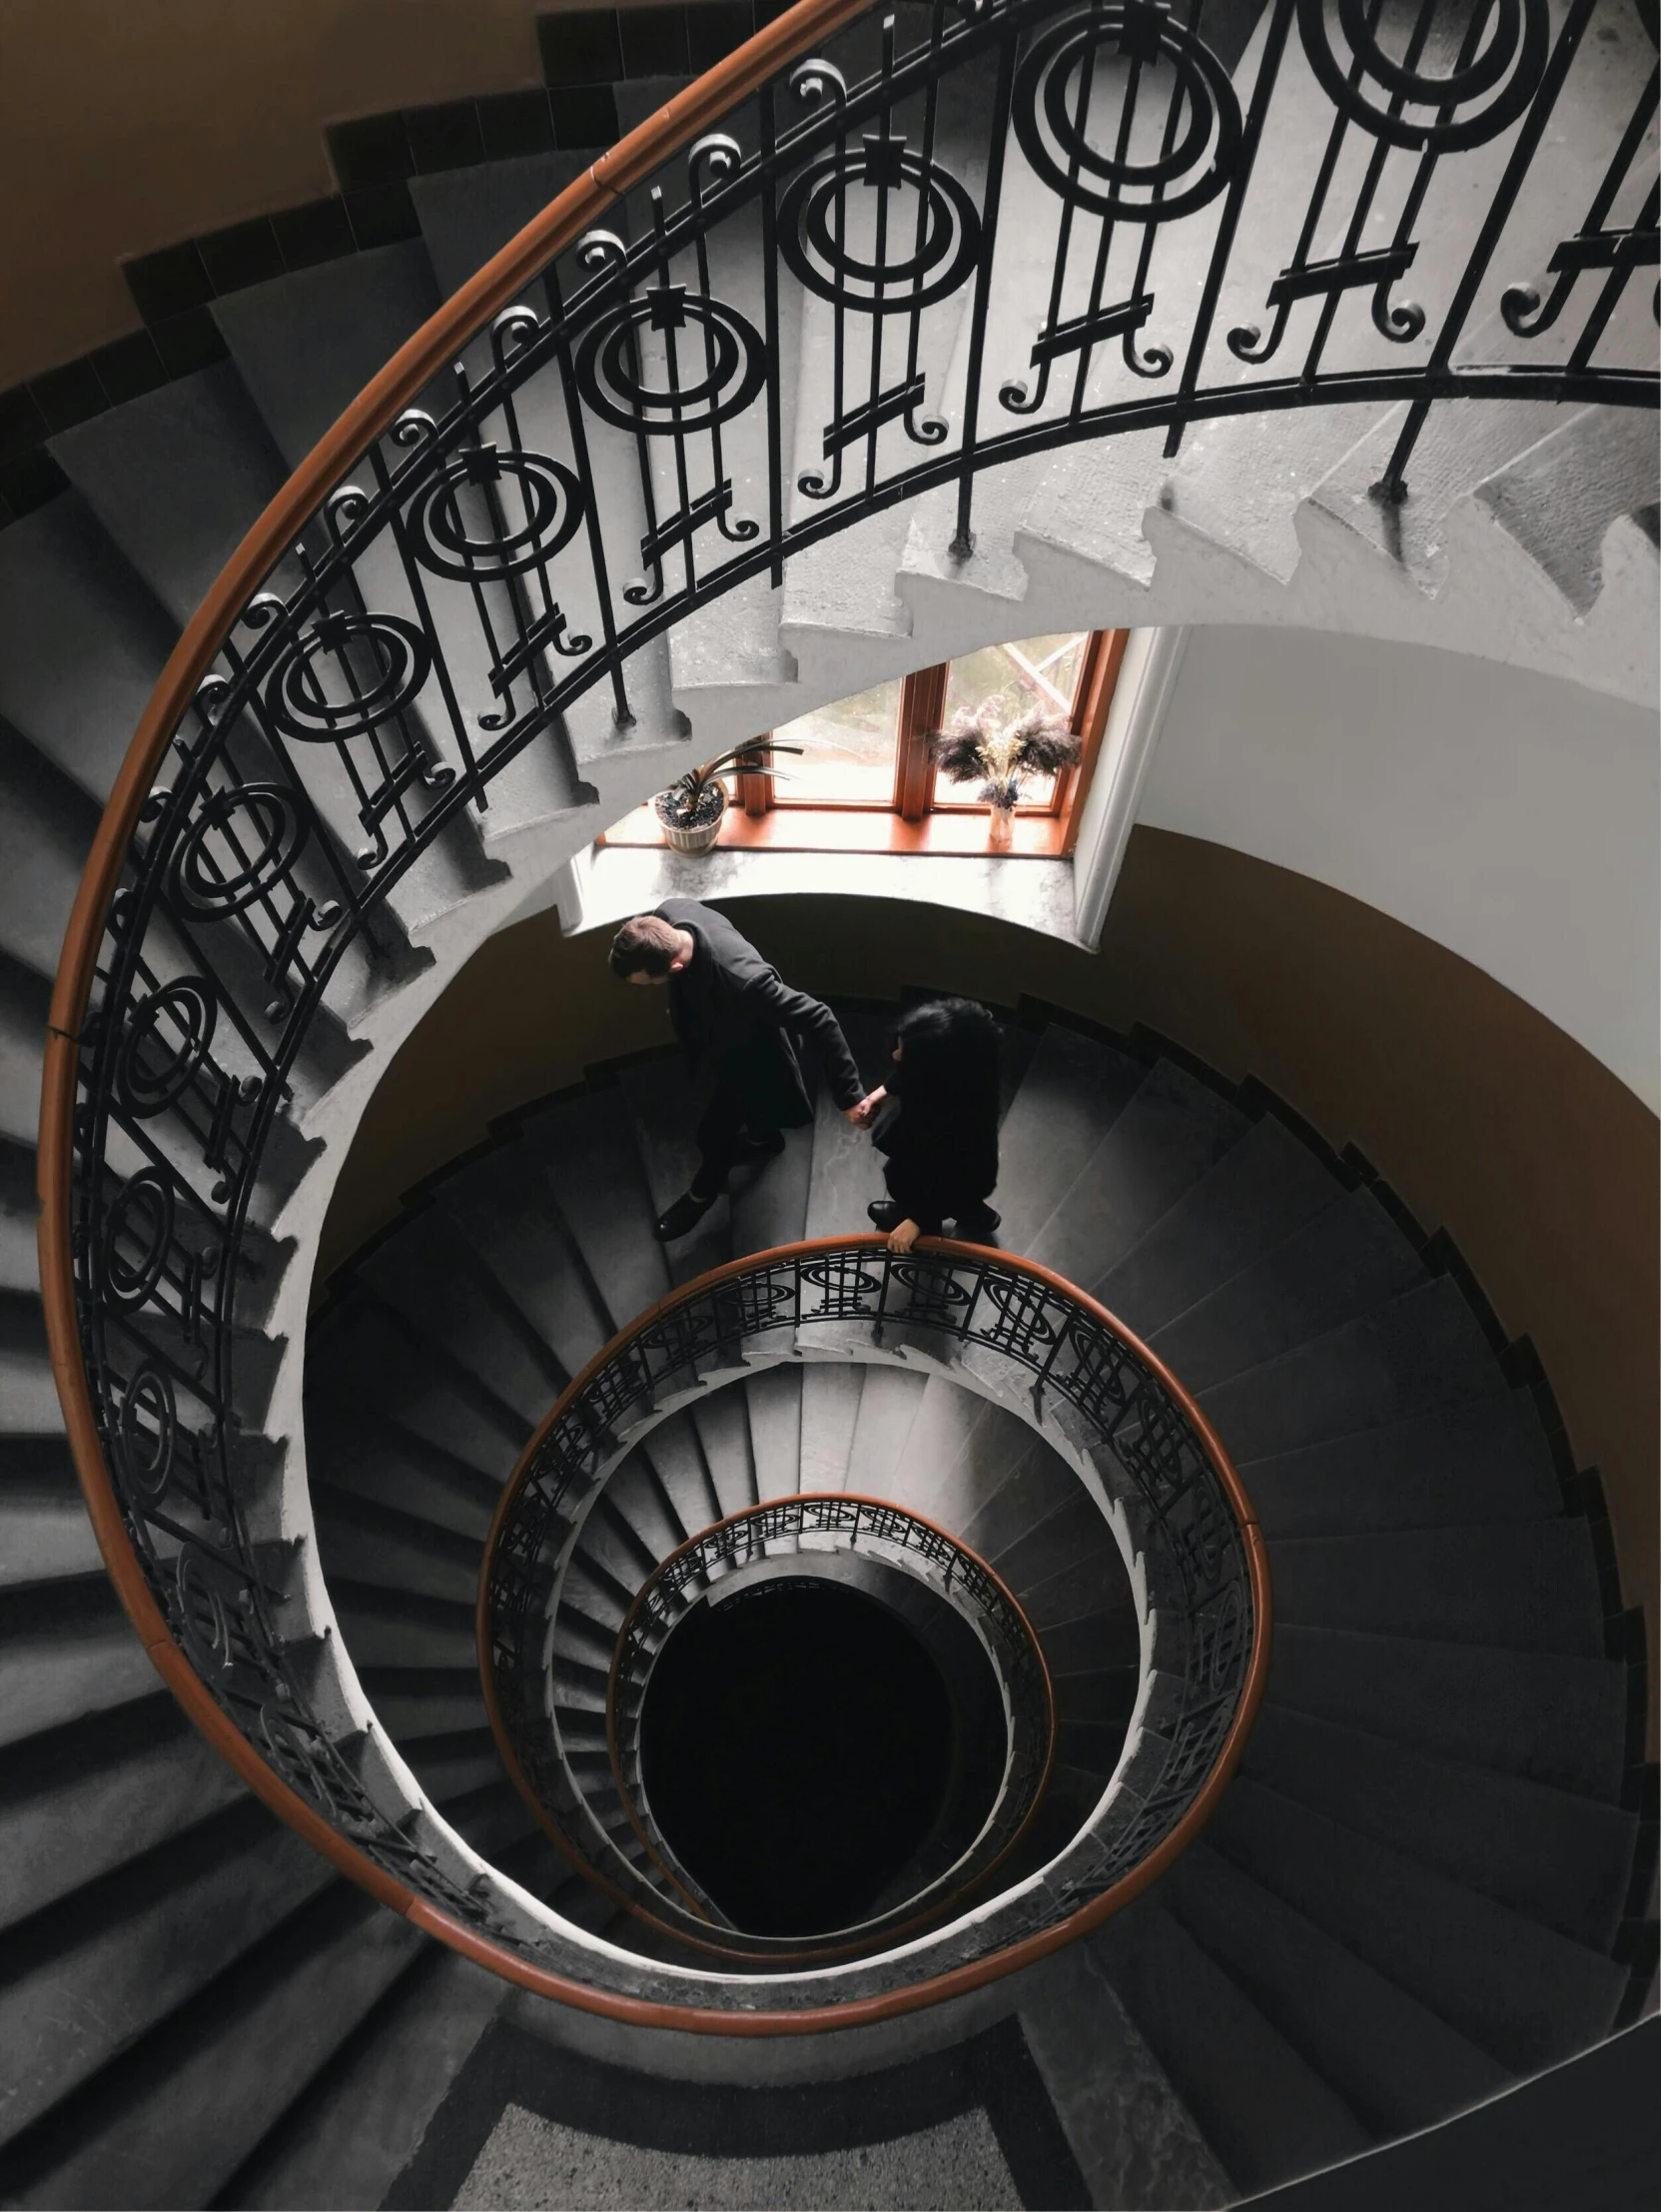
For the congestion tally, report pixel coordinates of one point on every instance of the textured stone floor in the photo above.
(535, 2165)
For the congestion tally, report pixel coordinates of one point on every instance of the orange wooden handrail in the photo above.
(959, 1980)
(469, 311)
(846, 1497)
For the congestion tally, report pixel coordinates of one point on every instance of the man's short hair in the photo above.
(645, 946)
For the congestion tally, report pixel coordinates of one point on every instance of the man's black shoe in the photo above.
(885, 1213)
(759, 1148)
(683, 1216)
(981, 1221)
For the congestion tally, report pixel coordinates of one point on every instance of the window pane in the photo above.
(848, 751)
(1038, 672)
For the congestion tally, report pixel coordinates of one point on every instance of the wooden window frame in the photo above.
(913, 819)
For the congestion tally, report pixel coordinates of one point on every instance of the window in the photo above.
(866, 780)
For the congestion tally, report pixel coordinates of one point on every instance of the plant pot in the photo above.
(1000, 827)
(694, 836)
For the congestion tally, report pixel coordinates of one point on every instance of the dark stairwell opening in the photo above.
(798, 1750)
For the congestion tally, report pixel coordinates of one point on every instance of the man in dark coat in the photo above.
(739, 1026)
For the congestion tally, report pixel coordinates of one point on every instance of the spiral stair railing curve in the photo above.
(397, 643)
(1086, 1381)
(888, 1532)
(677, 1906)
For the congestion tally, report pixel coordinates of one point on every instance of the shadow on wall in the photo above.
(1487, 1120)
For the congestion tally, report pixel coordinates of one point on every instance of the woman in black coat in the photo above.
(935, 1120)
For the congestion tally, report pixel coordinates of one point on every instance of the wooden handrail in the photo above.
(962, 1979)
(846, 1497)
(412, 368)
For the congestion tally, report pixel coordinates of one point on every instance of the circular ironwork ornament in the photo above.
(724, 344)
(1052, 100)
(550, 497)
(944, 233)
(1509, 62)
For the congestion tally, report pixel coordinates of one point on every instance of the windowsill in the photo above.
(607, 884)
(844, 829)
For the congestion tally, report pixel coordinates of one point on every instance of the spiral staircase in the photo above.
(1429, 1877)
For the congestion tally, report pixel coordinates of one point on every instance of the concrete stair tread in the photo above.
(433, 1280)
(1071, 1092)
(1519, 1991)
(1556, 1857)
(1263, 2111)
(1556, 1720)
(1168, 1135)
(46, 831)
(501, 1205)
(1394, 2063)
(587, 1156)
(1524, 1584)
(82, 642)
(173, 2120)
(1348, 1259)
(1421, 1352)
(1484, 1461)
(1258, 1194)
(177, 478)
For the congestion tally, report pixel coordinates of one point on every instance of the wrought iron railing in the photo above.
(586, 447)
(1011, 1328)
(811, 1527)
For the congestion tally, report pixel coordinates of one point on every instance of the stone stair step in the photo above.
(438, 1399)
(45, 1533)
(91, 1975)
(19, 1217)
(79, 1801)
(1265, 2113)
(1526, 1585)
(1559, 500)
(947, 1422)
(888, 1406)
(1527, 1996)
(46, 831)
(1344, 1262)
(587, 1156)
(1072, 1093)
(1168, 1135)
(177, 478)
(397, 1628)
(1421, 1352)
(1459, 1465)
(435, 1281)
(67, 1650)
(386, 1466)
(173, 2120)
(501, 1206)
(1394, 2063)
(1557, 1857)
(774, 1399)
(414, 1702)
(1559, 1722)
(1260, 1191)
(831, 1395)
(374, 1545)
(82, 642)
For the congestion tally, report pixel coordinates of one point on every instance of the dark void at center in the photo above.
(797, 1747)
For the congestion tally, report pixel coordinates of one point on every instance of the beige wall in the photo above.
(126, 125)
(1488, 1119)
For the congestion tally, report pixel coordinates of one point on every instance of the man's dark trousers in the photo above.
(739, 1025)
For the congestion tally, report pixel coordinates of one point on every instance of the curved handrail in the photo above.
(412, 368)
(242, 856)
(876, 1518)
(718, 1324)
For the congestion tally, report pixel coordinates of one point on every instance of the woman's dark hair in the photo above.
(948, 1043)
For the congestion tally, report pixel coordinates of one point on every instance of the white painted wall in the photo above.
(1514, 817)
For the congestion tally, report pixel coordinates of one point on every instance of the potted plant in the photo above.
(694, 807)
(1002, 754)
